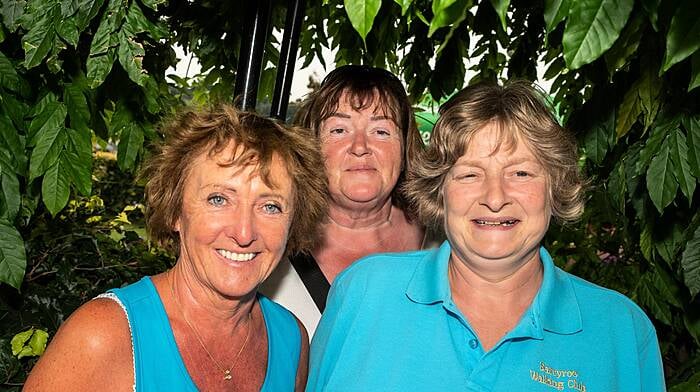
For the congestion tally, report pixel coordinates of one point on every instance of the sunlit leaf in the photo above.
(681, 166)
(136, 22)
(685, 24)
(501, 7)
(68, 30)
(447, 12)
(361, 14)
(130, 142)
(404, 5)
(690, 263)
(592, 27)
(46, 152)
(50, 117)
(661, 184)
(18, 341)
(38, 342)
(13, 259)
(555, 11)
(130, 57)
(55, 188)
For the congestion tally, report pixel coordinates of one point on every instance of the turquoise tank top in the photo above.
(158, 365)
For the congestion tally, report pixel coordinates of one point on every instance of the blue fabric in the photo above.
(158, 364)
(391, 325)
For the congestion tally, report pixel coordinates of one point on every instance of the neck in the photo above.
(201, 303)
(364, 217)
(514, 290)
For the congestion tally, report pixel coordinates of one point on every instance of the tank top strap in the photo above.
(284, 346)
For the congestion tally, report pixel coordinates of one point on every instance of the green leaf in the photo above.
(13, 260)
(76, 103)
(501, 7)
(621, 51)
(591, 29)
(667, 287)
(9, 137)
(695, 72)
(55, 188)
(692, 128)
(130, 143)
(39, 41)
(681, 167)
(38, 342)
(597, 143)
(69, 7)
(668, 243)
(52, 116)
(404, 5)
(661, 184)
(628, 111)
(136, 22)
(646, 242)
(68, 30)
(447, 12)
(649, 87)
(681, 40)
(651, 8)
(87, 10)
(555, 11)
(617, 186)
(690, 263)
(12, 11)
(47, 151)
(361, 14)
(130, 57)
(19, 340)
(10, 198)
(98, 67)
(77, 159)
(103, 46)
(9, 79)
(153, 4)
(647, 296)
(653, 143)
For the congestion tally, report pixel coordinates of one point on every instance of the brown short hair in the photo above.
(521, 112)
(363, 84)
(194, 133)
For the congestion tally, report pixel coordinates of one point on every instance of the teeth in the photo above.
(236, 256)
(496, 223)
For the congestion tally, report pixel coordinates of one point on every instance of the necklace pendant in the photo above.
(227, 375)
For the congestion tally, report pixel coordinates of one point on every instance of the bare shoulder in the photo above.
(90, 350)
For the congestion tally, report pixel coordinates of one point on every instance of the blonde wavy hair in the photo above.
(521, 113)
(194, 133)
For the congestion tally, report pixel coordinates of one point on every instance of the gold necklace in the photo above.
(227, 372)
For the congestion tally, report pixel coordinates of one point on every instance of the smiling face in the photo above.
(362, 150)
(495, 203)
(233, 227)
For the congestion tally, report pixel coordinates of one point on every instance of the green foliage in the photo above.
(30, 343)
(81, 74)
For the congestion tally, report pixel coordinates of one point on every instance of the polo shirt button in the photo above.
(473, 343)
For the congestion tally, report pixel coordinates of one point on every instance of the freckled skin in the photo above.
(232, 208)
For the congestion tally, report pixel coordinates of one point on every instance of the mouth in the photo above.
(235, 256)
(496, 222)
(360, 168)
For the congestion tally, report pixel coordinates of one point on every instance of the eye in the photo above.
(336, 131)
(383, 132)
(272, 208)
(216, 200)
(465, 176)
(522, 173)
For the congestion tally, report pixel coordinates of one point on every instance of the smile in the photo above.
(236, 256)
(505, 223)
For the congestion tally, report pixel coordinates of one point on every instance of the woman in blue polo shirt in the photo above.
(488, 310)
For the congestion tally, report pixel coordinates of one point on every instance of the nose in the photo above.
(359, 143)
(242, 227)
(495, 197)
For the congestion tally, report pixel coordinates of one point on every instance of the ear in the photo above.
(176, 226)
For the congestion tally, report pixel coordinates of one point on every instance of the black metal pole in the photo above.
(251, 54)
(288, 58)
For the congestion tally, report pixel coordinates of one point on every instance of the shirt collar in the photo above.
(554, 309)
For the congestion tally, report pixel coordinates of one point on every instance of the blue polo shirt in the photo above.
(390, 325)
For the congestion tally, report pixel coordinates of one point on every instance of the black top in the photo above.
(311, 275)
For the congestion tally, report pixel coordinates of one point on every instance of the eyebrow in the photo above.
(373, 118)
(509, 162)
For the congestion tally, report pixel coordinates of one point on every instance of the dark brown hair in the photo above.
(362, 85)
